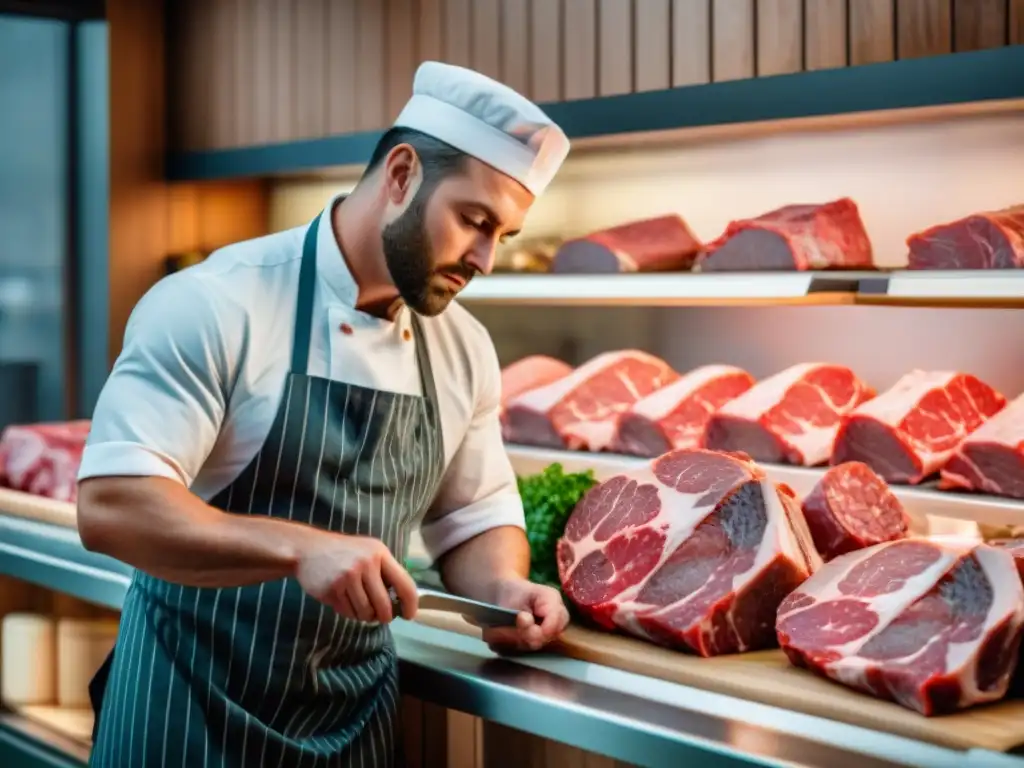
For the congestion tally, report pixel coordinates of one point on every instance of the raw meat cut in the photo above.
(932, 625)
(1016, 549)
(578, 411)
(43, 459)
(992, 240)
(675, 416)
(660, 244)
(694, 551)
(791, 417)
(991, 459)
(794, 237)
(908, 432)
(851, 508)
(529, 373)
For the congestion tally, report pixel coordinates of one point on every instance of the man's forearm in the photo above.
(476, 568)
(161, 528)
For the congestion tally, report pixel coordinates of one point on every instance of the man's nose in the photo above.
(481, 258)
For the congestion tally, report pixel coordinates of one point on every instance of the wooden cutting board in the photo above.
(768, 677)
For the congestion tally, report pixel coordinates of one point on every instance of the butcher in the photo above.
(281, 419)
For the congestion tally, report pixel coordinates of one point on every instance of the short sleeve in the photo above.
(161, 409)
(479, 490)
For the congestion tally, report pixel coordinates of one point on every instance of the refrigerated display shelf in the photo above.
(919, 501)
(972, 288)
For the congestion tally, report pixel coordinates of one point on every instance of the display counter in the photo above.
(625, 716)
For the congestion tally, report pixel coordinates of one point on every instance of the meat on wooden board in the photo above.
(991, 459)
(933, 625)
(991, 240)
(43, 459)
(908, 432)
(788, 418)
(675, 416)
(795, 237)
(851, 508)
(694, 551)
(578, 411)
(659, 244)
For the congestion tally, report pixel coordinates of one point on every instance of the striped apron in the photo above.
(264, 675)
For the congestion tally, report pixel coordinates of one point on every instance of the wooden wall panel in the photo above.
(615, 46)
(245, 72)
(924, 28)
(979, 24)
(545, 22)
(652, 45)
(515, 44)
(779, 36)
(691, 42)
(872, 31)
(825, 34)
(732, 39)
(579, 40)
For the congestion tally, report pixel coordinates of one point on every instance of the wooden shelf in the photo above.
(920, 501)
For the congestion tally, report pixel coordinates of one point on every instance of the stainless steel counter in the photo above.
(637, 719)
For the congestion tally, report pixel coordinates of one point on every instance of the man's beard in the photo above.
(411, 264)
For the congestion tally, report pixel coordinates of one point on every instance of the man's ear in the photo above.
(402, 174)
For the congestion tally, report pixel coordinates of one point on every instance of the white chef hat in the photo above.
(487, 120)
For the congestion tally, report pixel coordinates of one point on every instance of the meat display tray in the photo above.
(767, 677)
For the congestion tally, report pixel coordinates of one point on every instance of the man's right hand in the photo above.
(351, 574)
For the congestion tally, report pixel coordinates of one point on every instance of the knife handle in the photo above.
(396, 604)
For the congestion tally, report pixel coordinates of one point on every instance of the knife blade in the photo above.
(474, 611)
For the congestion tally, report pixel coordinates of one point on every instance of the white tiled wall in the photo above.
(903, 177)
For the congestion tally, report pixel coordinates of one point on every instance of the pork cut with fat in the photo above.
(43, 459)
(851, 508)
(530, 373)
(991, 459)
(658, 244)
(795, 237)
(694, 551)
(579, 411)
(992, 240)
(932, 625)
(675, 416)
(791, 417)
(908, 432)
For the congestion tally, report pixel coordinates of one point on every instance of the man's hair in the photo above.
(437, 159)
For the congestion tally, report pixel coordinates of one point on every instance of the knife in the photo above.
(481, 614)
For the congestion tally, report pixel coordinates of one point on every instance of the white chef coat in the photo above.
(206, 354)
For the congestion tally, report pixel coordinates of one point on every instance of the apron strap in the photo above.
(423, 359)
(304, 305)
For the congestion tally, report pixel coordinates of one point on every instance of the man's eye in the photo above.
(472, 223)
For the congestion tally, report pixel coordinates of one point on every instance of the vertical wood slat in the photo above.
(546, 50)
(614, 47)
(515, 44)
(311, 83)
(825, 34)
(430, 29)
(199, 98)
(403, 55)
(872, 31)
(341, 66)
(691, 42)
(732, 39)
(924, 28)
(485, 48)
(652, 45)
(457, 32)
(242, 82)
(371, 61)
(222, 74)
(282, 90)
(779, 37)
(579, 41)
(1016, 22)
(263, 71)
(979, 24)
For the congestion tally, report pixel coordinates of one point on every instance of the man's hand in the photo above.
(542, 617)
(351, 574)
